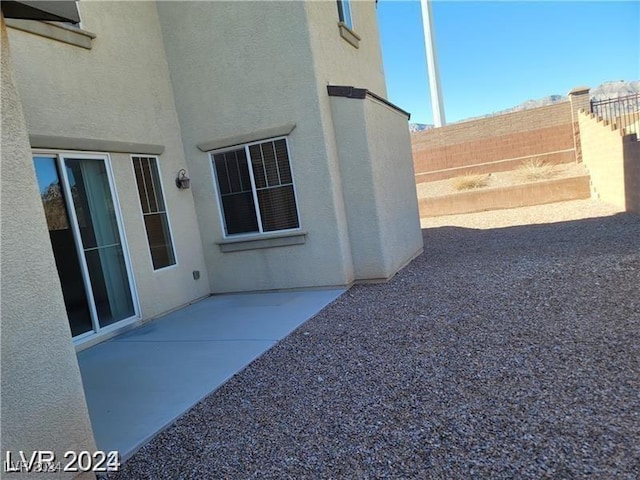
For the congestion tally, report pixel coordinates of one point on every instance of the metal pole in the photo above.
(432, 64)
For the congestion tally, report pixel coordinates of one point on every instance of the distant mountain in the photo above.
(606, 90)
(541, 102)
(419, 127)
(613, 89)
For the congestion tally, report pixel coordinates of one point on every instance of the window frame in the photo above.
(341, 13)
(166, 212)
(254, 191)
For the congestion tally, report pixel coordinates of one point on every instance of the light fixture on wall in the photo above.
(182, 181)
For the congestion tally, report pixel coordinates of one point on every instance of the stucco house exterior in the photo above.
(160, 152)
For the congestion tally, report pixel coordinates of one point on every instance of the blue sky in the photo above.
(495, 55)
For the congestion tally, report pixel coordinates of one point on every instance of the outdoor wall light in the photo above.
(182, 181)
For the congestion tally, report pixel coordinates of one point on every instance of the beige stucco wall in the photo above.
(367, 141)
(119, 91)
(336, 61)
(396, 199)
(227, 78)
(357, 177)
(377, 171)
(603, 155)
(245, 67)
(270, 66)
(42, 400)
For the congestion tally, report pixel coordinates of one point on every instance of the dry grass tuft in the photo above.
(535, 169)
(470, 182)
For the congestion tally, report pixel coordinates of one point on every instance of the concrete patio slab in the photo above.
(138, 383)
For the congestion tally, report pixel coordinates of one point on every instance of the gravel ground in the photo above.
(498, 353)
(538, 214)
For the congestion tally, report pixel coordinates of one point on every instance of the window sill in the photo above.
(349, 35)
(263, 241)
(56, 31)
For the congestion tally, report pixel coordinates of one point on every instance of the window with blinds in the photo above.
(154, 211)
(256, 188)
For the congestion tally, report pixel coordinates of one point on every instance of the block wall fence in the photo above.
(501, 142)
(632, 175)
(561, 133)
(613, 161)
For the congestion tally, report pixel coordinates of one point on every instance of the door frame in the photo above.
(88, 339)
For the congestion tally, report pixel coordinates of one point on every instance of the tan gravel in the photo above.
(539, 214)
(497, 354)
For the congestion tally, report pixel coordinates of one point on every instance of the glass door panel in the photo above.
(100, 235)
(110, 284)
(86, 240)
(63, 245)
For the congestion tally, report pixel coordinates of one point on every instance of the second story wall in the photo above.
(238, 68)
(339, 57)
(119, 91)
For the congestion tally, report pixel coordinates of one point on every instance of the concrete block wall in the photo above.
(613, 161)
(496, 143)
(514, 196)
(580, 99)
(631, 151)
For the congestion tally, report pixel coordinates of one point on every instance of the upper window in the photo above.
(154, 211)
(344, 13)
(256, 190)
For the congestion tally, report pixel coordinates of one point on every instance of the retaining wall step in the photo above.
(552, 158)
(514, 196)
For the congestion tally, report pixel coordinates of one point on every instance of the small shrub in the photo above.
(535, 169)
(470, 182)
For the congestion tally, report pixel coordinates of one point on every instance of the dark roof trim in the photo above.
(58, 11)
(361, 94)
(347, 92)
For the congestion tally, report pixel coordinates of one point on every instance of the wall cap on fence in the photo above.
(579, 90)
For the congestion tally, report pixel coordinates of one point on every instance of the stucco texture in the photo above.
(368, 144)
(43, 403)
(389, 143)
(119, 91)
(377, 171)
(336, 61)
(259, 75)
(270, 66)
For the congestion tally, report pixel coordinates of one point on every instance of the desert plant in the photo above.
(471, 181)
(536, 169)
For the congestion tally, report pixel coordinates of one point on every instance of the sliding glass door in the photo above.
(87, 240)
